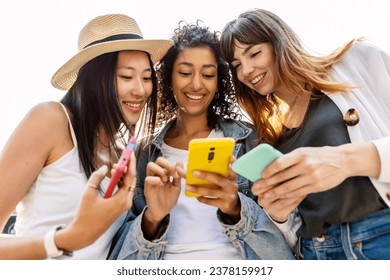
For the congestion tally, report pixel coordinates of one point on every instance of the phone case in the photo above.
(253, 162)
(208, 154)
(123, 161)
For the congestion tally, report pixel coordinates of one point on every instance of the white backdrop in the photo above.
(38, 36)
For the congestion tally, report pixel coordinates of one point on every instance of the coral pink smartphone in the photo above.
(122, 163)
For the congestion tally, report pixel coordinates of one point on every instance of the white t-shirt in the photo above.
(195, 232)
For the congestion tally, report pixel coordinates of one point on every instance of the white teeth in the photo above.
(257, 79)
(133, 105)
(195, 97)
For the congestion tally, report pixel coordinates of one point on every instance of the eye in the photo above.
(148, 78)
(126, 77)
(254, 54)
(185, 74)
(209, 76)
(235, 66)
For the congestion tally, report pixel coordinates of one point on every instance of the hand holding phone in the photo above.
(253, 162)
(208, 154)
(122, 163)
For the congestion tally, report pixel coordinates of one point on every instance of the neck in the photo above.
(296, 107)
(296, 112)
(185, 129)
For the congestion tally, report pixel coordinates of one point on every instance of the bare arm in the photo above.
(40, 139)
(310, 170)
(28, 150)
(84, 228)
(293, 176)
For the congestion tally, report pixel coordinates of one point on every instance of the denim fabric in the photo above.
(366, 239)
(254, 236)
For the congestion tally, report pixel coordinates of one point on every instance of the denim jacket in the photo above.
(254, 236)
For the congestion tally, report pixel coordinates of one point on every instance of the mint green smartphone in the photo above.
(253, 162)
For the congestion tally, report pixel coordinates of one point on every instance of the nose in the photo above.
(246, 68)
(196, 82)
(138, 87)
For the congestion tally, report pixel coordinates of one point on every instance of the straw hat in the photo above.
(104, 34)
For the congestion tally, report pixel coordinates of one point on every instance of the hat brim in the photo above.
(65, 77)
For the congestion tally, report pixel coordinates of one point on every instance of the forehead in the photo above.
(197, 55)
(238, 45)
(240, 49)
(133, 56)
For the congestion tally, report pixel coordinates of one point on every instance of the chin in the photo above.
(133, 119)
(261, 92)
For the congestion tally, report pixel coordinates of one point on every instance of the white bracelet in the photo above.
(50, 245)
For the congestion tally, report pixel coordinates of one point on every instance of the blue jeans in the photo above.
(366, 239)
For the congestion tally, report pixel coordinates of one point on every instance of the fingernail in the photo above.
(103, 170)
(197, 173)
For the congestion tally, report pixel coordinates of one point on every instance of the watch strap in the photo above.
(51, 248)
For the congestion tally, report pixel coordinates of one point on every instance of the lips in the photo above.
(132, 105)
(257, 79)
(194, 96)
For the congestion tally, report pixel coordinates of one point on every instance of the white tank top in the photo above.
(53, 199)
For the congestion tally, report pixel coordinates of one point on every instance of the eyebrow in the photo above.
(245, 51)
(203, 66)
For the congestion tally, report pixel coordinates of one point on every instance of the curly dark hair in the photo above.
(224, 105)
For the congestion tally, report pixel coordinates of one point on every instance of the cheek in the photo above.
(149, 90)
(120, 87)
(178, 82)
(213, 86)
(240, 76)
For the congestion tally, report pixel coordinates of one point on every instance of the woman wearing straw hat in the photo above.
(46, 163)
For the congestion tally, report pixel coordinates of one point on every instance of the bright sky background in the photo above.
(38, 36)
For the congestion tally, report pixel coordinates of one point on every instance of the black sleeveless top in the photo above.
(355, 197)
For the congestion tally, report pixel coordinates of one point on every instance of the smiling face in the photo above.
(134, 83)
(255, 67)
(195, 80)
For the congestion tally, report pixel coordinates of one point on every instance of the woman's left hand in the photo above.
(303, 171)
(222, 192)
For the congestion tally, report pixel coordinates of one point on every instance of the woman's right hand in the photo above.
(278, 209)
(162, 190)
(96, 214)
(93, 217)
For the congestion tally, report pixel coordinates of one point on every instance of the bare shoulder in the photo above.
(43, 123)
(48, 112)
(45, 131)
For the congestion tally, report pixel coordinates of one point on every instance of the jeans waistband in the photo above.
(347, 233)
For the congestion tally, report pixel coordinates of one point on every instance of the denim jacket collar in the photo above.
(229, 128)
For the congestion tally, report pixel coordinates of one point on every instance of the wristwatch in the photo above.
(50, 245)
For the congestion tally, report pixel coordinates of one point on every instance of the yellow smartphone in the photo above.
(208, 154)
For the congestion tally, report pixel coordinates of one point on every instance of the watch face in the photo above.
(9, 227)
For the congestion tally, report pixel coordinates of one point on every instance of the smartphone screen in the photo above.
(122, 163)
